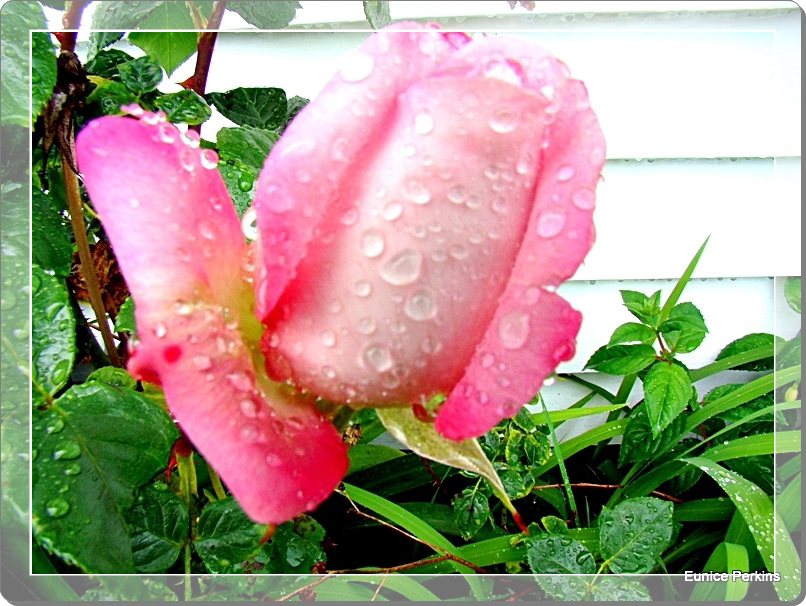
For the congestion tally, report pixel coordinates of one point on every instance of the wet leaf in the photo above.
(792, 292)
(632, 332)
(141, 75)
(169, 48)
(185, 107)
(125, 320)
(225, 535)
(116, 15)
(634, 533)
(160, 525)
(559, 554)
(621, 359)
(43, 71)
(105, 63)
(746, 343)
(53, 250)
(646, 309)
(685, 329)
(95, 445)
(377, 13)
(667, 389)
(246, 145)
(53, 338)
(266, 15)
(265, 108)
(295, 547)
(640, 443)
(471, 509)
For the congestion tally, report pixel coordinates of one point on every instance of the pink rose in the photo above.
(413, 222)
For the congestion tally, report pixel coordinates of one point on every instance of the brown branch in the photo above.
(307, 587)
(71, 20)
(204, 52)
(399, 568)
(657, 493)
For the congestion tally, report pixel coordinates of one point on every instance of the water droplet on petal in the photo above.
(160, 331)
(202, 362)
(458, 251)
(358, 66)
(191, 138)
(525, 163)
(457, 194)
(550, 223)
(363, 288)
(167, 132)
(378, 358)
(303, 176)
(206, 231)
(209, 159)
(403, 268)
(417, 192)
(565, 173)
(249, 433)
(328, 338)
(420, 306)
(56, 508)
(249, 224)
(187, 158)
(372, 243)
(513, 329)
(487, 360)
(423, 123)
(366, 325)
(349, 217)
(295, 423)
(248, 408)
(240, 381)
(532, 295)
(504, 120)
(392, 211)
(273, 460)
(584, 199)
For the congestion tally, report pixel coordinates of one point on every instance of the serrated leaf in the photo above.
(537, 448)
(640, 443)
(141, 75)
(792, 292)
(53, 338)
(685, 329)
(225, 535)
(632, 332)
(169, 49)
(43, 71)
(295, 547)
(769, 533)
(646, 309)
(53, 249)
(186, 107)
(246, 146)
(295, 105)
(19, 18)
(424, 440)
(266, 15)
(160, 525)
(91, 449)
(746, 343)
(667, 389)
(471, 509)
(107, 97)
(265, 108)
(516, 479)
(621, 359)
(105, 63)
(116, 15)
(559, 554)
(634, 533)
(240, 184)
(126, 320)
(377, 13)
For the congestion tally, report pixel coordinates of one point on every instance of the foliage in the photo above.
(107, 496)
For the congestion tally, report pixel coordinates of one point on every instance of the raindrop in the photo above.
(249, 433)
(372, 243)
(337, 150)
(273, 460)
(134, 202)
(378, 358)
(206, 231)
(457, 194)
(357, 67)
(160, 331)
(187, 159)
(392, 211)
(409, 151)
(249, 408)
(366, 325)
(565, 173)
(584, 199)
(349, 217)
(513, 329)
(403, 268)
(209, 159)
(66, 449)
(191, 138)
(363, 288)
(417, 192)
(525, 163)
(303, 176)
(328, 372)
(550, 223)
(458, 251)
(72, 469)
(430, 345)
(335, 306)
(56, 508)
(249, 224)
(423, 123)
(55, 425)
(295, 423)
(202, 362)
(420, 306)
(487, 360)
(240, 381)
(167, 132)
(504, 120)
(328, 338)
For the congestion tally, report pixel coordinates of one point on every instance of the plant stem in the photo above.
(71, 20)
(572, 504)
(204, 52)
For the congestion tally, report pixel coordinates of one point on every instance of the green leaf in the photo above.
(141, 75)
(160, 525)
(247, 146)
(125, 320)
(240, 182)
(186, 107)
(559, 554)
(516, 480)
(225, 535)
(634, 533)
(377, 13)
(667, 389)
(366, 455)
(116, 377)
(632, 332)
(53, 250)
(641, 443)
(537, 448)
(19, 18)
(773, 542)
(295, 547)
(471, 509)
(621, 359)
(105, 63)
(91, 449)
(43, 71)
(266, 15)
(265, 108)
(646, 309)
(295, 105)
(747, 343)
(53, 337)
(788, 504)
(685, 329)
(727, 557)
(681, 283)
(107, 97)
(100, 40)
(554, 525)
(169, 48)
(789, 353)
(116, 15)
(792, 292)
(423, 439)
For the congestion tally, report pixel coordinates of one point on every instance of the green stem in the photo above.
(571, 503)
(216, 481)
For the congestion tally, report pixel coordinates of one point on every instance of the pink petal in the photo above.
(181, 249)
(534, 330)
(305, 169)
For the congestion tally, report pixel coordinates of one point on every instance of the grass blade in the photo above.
(674, 296)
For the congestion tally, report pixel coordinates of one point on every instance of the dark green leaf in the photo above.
(169, 49)
(225, 535)
(125, 320)
(746, 343)
(100, 40)
(259, 107)
(377, 13)
(240, 182)
(43, 71)
(566, 588)
(632, 332)
(367, 455)
(105, 63)
(141, 75)
(640, 443)
(266, 15)
(471, 509)
(618, 589)
(685, 329)
(295, 547)
(789, 353)
(91, 449)
(295, 105)
(516, 479)
(759, 469)
(246, 146)
(19, 18)
(524, 420)
(559, 554)
(116, 15)
(634, 533)
(621, 359)
(537, 448)
(740, 412)
(667, 389)
(160, 526)
(554, 525)
(792, 292)
(646, 309)
(116, 377)
(53, 250)
(53, 338)
(185, 107)
(107, 97)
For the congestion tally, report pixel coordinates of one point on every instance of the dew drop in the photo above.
(56, 508)
(209, 159)
(366, 325)
(295, 423)
(66, 449)
(403, 268)
(303, 176)
(72, 469)
(249, 408)
(584, 199)
(240, 381)
(423, 123)
(249, 433)
(565, 173)
(392, 211)
(358, 66)
(206, 231)
(55, 425)
(328, 338)
(187, 158)
(167, 132)
(372, 243)
(430, 345)
(458, 251)
(532, 295)
(417, 192)
(487, 360)
(525, 163)
(457, 194)
(349, 217)
(328, 372)
(273, 460)
(420, 306)
(378, 358)
(550, 223)
(202, 362)
(504, 120)
(160, 331)
(363, 288)
(513, 329)
(249, 224)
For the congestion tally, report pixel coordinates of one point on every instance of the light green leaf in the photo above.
(792, 292)
(632, 332)
(377, 13)
(19, 18)
(170, 47)
(125, 320)
(43, 71)
(621, 359)
(53, 336)
(266, 15)
(634, 533)
(727, 557)
(667, 389)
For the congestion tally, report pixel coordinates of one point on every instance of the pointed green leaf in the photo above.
(266, 15)
(43, 71)
(186, 107)
(632, 332)
(259, 107)
(141, 75)
(685, 329)
(170, 48)
(53, 250)
(792, 292)
(621, 359)
(634, 533)
(748, 343)
(674, 296)
(667, 389)
(471, 509)
(646, 309)
(377, 13)
(53, 338)
(19, 18)
(640, 443)
(160, 524)
(225, 535)
(559, 554)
